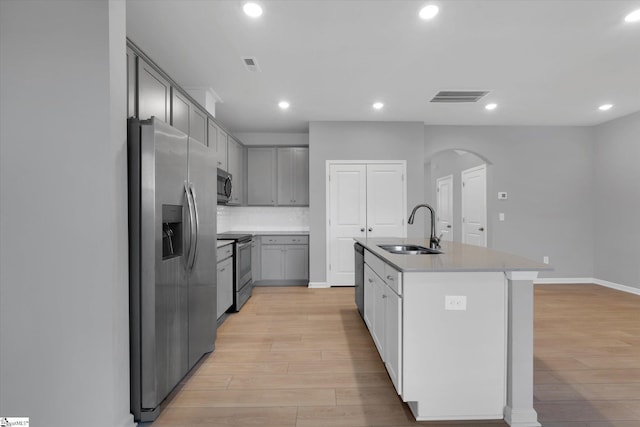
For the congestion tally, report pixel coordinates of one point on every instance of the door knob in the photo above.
(481, 229)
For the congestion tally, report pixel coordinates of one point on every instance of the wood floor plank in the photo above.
(224, 417)
(254, 398)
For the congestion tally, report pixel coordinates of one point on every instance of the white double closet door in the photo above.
(364, 200)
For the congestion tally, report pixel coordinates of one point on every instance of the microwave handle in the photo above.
(227, 187)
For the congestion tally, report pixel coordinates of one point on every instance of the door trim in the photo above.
(327, 236)
(438, 207)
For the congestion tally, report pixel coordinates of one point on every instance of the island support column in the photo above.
(519, 411)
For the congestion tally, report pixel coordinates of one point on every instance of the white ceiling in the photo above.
(545, 62)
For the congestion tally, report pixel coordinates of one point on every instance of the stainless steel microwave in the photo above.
(224, 187)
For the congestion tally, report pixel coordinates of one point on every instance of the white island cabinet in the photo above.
(455, 330)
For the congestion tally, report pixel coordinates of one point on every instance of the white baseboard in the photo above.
(588, 280)
(319, 285)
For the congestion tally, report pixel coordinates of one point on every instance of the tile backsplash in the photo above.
(262, 218)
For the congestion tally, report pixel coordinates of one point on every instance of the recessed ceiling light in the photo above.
(253, 10)
(491, 106)
(283, 105)
(633, 16)
(605, 107)
(429, 11)
(378, 105)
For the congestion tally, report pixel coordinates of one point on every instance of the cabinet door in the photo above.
(212, 139)
(386, 204)
(180, 110)
(272, 262)
(131, 83)
(221, 149)
(225, 286)
(293, 176)
(378, 321)
(296, 262)
(300, 176)
(198, 125)
(369, 280)
(261, 176)
(256, 257)
(393, 338)
(153, 93)
(235, 156)
(285, 175)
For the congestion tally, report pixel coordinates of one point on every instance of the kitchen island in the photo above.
(455, 330)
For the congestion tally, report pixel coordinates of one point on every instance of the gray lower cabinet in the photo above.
(284, 260)
(256, 259)
(225, 279)
(261, 176)
(154, 92)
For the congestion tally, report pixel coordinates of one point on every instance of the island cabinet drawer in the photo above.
(389, 275)
(225, 252)
(286, 240)
(393, 279)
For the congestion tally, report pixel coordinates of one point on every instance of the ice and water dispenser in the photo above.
(171, 231)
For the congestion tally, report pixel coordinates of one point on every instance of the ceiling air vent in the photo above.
(458, 96)
(251, 64)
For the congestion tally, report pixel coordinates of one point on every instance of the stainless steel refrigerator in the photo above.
(172, 223)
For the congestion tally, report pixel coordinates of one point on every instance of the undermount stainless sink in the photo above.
(409, 250)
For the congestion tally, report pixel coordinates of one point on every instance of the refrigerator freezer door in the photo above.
(203, 272)
(164, 294)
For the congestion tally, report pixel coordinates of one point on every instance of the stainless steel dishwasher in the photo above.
(359, 278)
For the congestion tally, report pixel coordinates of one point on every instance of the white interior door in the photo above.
(386, 206)
(474, 206)
(347, 219)
(444, 209)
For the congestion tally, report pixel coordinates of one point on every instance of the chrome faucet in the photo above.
(434, 241)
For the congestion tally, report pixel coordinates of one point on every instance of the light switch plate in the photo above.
(455, 302)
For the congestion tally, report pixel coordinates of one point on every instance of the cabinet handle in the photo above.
(362, 230)
(390, 277)
(370, 280)
(383, 296)
(481, 229)
(370, 229)
(222, 269)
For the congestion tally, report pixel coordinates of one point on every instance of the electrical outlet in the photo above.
(455, 302)
(501, 216)
(545, 259)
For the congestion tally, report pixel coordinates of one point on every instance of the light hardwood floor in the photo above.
(303, 357)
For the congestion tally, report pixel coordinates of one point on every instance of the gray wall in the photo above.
(451, 163)
(359, 141)
(616, 201)
(548, 174)
(64, 336)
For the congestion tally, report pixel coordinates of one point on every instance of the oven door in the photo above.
(243, 264)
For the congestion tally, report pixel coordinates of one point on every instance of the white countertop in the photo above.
(270, 232)
(222, 243)
(455, 257)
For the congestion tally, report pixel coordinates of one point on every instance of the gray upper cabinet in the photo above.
(198, 125)
(235, 160)
(131, 83)
(221, 149)
(180, 107)
(153, 93)
(261, 176)
(293, 176)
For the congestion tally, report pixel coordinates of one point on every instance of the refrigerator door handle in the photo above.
(197, 223)
(190, 250)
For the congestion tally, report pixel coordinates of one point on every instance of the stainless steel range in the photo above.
(242, 279)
